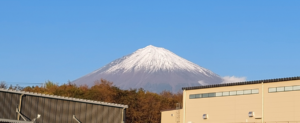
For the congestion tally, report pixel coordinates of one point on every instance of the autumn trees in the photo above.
(144, 106)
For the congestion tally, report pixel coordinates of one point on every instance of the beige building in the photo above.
(261, 101)
(171, 116)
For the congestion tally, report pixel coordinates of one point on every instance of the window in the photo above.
(211, 94)
(255, 91)
(296, 87)
(192, 96)
(219, 94)
(247, 91)
(225, 93)
(204, 95)
(232, 92)
(272, 90)
(288, 88)
(285, 88)
(197, 95)
(279, 89)
(239, 92)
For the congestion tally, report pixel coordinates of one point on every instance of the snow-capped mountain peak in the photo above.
(153, 59)
(146, 65)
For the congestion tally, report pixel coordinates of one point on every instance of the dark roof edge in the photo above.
(64, 98)
(243, 83)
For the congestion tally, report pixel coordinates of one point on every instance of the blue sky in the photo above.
(64, 40)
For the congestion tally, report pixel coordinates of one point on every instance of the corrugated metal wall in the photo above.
(56, 110)
(8, 104)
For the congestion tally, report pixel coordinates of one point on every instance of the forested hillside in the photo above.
(144, 106)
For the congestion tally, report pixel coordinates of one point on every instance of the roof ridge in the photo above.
(243, 83)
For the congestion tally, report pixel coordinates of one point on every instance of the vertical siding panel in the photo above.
(124, 115)
(24, 107)
(15, 104)
(40, 109)
(94, 113)
(47, 110)
(77, 111)
(118, 115)
(34, 109)
(88, 118)
(2, 102)
(11, 108)
(100, 114)
(71, 112)
(83, 112)
(105, 114)
(6, 106)
(110, 115)
(29, 107)
(58, 113)
(52, 111)
(113, 114)
(65, 111)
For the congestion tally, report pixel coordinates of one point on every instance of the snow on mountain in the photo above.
(154, 69)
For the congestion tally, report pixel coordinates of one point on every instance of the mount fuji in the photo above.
(154, 69)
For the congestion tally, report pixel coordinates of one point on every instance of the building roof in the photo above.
(64, 98)
(243, 83)
(13, 121)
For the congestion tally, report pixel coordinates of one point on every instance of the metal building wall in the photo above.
(47, 107)
(88, 113)
(105, 115)
(65, 111)
(54, 110)
(100, 114)
(41, 107)
(14, 102)
(8, 103)
(2, 103)
(94, 113)
(71, 111)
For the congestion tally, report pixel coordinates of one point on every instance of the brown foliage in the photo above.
(144, 106)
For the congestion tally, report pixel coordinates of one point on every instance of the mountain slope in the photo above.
(154, 69)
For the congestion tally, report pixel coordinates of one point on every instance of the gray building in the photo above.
(19, 106)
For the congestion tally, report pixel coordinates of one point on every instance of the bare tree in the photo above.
(3, 84)
(17, 87)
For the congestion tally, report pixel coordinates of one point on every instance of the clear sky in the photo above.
(64, 40)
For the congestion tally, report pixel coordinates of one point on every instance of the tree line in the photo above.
(144, 106)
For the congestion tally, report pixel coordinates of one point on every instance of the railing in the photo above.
(74, 117)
